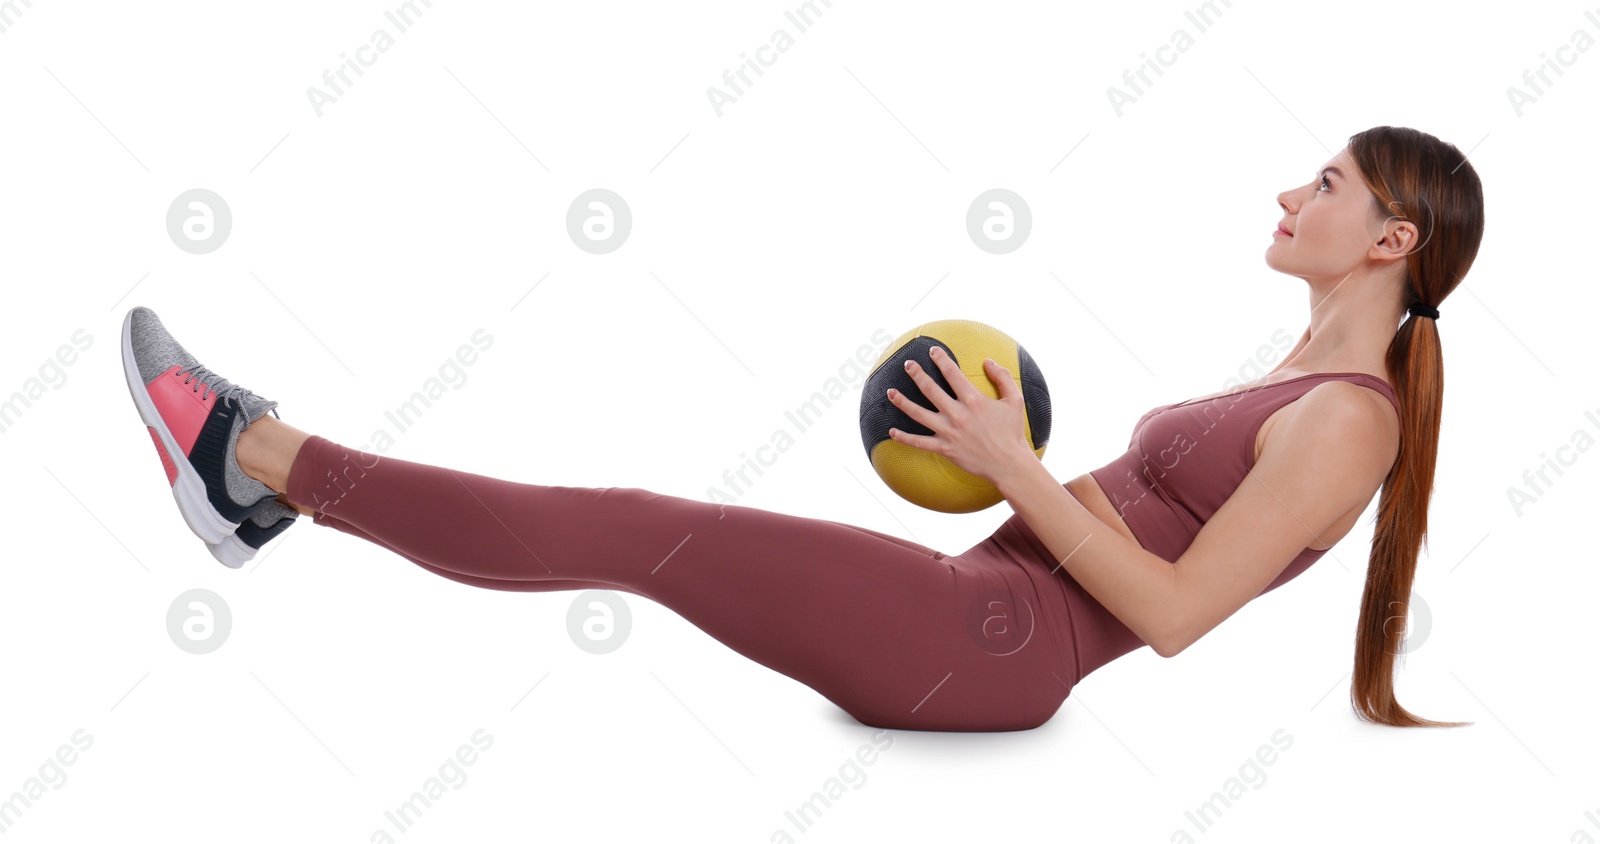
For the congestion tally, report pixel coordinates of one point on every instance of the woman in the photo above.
(1217, 500)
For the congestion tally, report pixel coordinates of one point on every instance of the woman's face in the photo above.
(1332, 222)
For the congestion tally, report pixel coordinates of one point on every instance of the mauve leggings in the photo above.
(896, 634)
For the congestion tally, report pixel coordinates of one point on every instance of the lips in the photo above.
(1286, 232)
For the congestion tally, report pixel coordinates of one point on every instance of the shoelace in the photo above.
(223, 389)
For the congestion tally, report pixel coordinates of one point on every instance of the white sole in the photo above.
(188, 490)
(232, 552)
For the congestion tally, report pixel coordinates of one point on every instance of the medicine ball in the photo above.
(922, 477)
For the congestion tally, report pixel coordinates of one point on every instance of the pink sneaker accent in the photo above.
(180, 407)
(166, 459)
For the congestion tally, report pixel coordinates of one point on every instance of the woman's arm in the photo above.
(1138, 587)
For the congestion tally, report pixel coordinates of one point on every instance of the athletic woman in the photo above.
(1216, 500)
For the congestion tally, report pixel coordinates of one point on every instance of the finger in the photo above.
(964, 389)
(914, 440)
(917, 412)
(1002, 379)
(941, 399)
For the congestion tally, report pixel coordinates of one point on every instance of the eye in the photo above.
(1324, 183)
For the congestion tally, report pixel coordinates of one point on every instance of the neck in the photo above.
(1353, 320)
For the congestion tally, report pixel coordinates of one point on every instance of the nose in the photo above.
(1288, 202)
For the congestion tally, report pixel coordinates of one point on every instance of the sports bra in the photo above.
(1184, 460)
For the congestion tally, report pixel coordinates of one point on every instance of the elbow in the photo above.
(1171, 644)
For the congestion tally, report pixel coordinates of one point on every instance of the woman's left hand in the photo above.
(983, 436)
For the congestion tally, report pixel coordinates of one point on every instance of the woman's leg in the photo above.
(480, 582)
(894, 633)
(539, 585)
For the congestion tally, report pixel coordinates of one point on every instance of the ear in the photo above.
(1396, 239)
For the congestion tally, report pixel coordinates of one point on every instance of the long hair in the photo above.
(1417, 177)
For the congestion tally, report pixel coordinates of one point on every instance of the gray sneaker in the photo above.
(254, 532)
(194, 417)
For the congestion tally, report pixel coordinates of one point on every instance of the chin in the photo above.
(1280, 261)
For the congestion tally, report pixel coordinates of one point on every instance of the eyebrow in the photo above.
(1334, 170)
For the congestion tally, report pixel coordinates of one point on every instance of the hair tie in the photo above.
(1418, 309)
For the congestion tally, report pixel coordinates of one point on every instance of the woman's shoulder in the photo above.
(1371, 394)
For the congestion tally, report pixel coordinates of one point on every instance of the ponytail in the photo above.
(1417, 177)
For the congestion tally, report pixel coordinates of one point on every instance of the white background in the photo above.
(769, 243)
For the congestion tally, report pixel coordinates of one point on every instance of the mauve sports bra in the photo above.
(1184, 460)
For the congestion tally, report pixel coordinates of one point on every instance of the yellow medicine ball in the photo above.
(922, 477)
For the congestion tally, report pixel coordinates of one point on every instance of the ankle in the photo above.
(283, 498)
(253, 450)
(266, 451)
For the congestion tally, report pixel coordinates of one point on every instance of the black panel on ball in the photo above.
(878, 414)
(1035, 396)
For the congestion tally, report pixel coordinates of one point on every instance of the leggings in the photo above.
(894, 633)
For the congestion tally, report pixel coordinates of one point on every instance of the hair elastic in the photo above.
(1419, 309)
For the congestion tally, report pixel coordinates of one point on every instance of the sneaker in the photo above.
(194, 417)
(254, 532)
